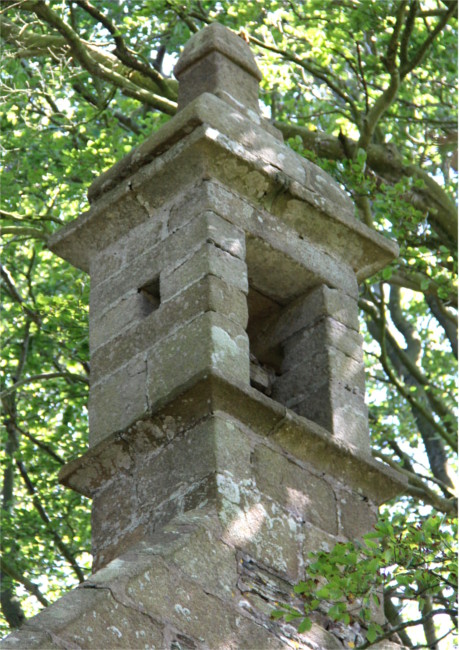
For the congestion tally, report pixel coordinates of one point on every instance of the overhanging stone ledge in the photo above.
(303, 439)
(293, 192)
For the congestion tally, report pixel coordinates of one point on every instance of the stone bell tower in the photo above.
(228, 428)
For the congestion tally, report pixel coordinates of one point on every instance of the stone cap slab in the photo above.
(216, 60)
(303, 438)
(213, 134)
(217, 38)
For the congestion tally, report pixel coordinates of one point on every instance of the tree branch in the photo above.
(60, 544)
(315, 71)
(405, 392)
(404, 626)
(122, 51)
(422, 51)
(445, 320)
(386, 162)
(21, 579)
(32, 233)
(39, 377)
(92, 58)
(14, 293)
(418, 489)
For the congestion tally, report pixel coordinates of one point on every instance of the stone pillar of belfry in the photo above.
(228, 428)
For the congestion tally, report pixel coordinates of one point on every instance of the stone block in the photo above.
(209, 563)
(325, 333)
(267, 233)
(121, 253)
(138, 329)
(308, 497)
(211, 196)
(215, 74)
(88, 618)
(181, 464)
(260, 527)
(118, 400)
(307, 311)
(131, 308)
(143, 270)
(111, 624)
(339, 411)
(274, 273)
(210, 343)
(114, 511)
(312, 370)
(357, 514)
(233, 448)
(316, 540)
(150, 234)
(208, 260)
(206, 227)
(214, 61)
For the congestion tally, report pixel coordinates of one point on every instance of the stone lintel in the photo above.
(210, 139)
(302, 438)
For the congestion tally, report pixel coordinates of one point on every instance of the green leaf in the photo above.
(305, 625)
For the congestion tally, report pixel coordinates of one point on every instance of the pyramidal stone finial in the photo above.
(218, 61)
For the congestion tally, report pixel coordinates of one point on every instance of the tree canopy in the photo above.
(364, 88)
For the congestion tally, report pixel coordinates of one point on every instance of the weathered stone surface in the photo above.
(316, 540)
(259, 527)
(30, 638)
(114, 511)
(307, 497)
(119, 400)
(210, 343)
(208, 495)
(357, 514)
(91, 619)
(325, 333)
(208, 260)
(329, 366)
(119, 334)
(180, 465)
(210, 564)
(214, 61)
(346, 418)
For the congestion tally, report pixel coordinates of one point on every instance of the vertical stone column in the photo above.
(323, 376)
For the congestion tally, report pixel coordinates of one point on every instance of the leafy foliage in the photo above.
(403, 560)
(363, 88)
